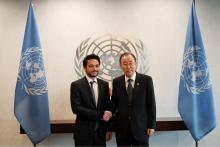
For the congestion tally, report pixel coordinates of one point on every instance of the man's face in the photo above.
(92, 68)
(128, 65)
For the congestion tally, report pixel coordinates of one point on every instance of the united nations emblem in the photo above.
(31, 72)
(195, 71)
(109, 48)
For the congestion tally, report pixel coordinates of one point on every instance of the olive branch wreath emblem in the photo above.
(126, 45)
(30, 89)
(194, 61)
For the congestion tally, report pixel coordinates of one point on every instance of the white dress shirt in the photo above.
(95, 87)
(132, 82)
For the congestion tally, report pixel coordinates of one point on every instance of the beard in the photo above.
(93, 75)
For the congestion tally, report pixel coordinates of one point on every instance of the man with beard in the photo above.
(89, 101)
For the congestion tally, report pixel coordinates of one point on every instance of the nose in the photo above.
(95, 68)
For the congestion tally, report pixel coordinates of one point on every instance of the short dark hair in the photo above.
(89, 57)
(126, 54)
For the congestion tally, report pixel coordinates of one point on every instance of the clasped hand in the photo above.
(107, 115)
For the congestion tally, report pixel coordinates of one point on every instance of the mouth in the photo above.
(129, 71)
(95, 73)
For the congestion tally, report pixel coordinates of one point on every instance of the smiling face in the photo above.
(128, 65)
(92, 68)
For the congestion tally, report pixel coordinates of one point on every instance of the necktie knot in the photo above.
(129, 81)
(91, 83)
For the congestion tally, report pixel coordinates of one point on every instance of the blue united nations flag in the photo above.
(195, 102)
(31, 97)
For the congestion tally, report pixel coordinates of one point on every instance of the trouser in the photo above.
(94, 141)
(129, 140)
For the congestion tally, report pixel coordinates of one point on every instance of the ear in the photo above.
(120, 66)
(84, 68)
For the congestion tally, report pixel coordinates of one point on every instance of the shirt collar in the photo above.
(133, 77)
(90, 79)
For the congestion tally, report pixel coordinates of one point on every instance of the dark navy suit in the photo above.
(134, 118)
(88, 115)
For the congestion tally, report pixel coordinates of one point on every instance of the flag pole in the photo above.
(194, 38)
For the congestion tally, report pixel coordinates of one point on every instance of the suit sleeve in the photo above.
(151, 105)
(113, 104)
(77, 106)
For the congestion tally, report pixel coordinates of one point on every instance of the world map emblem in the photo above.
(109, 48)
(31, 72)
(195, 71)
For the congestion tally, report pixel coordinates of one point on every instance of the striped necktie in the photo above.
(93, 92)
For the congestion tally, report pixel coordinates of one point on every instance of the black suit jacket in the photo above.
(88, 116)
(143, 107)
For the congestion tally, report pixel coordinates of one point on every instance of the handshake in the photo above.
(107, 115)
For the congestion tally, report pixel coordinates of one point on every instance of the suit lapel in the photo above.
(100, 89)
(136, 84)
(122, 87)
(123, 90)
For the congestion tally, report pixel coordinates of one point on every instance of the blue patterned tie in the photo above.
(129, 89)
